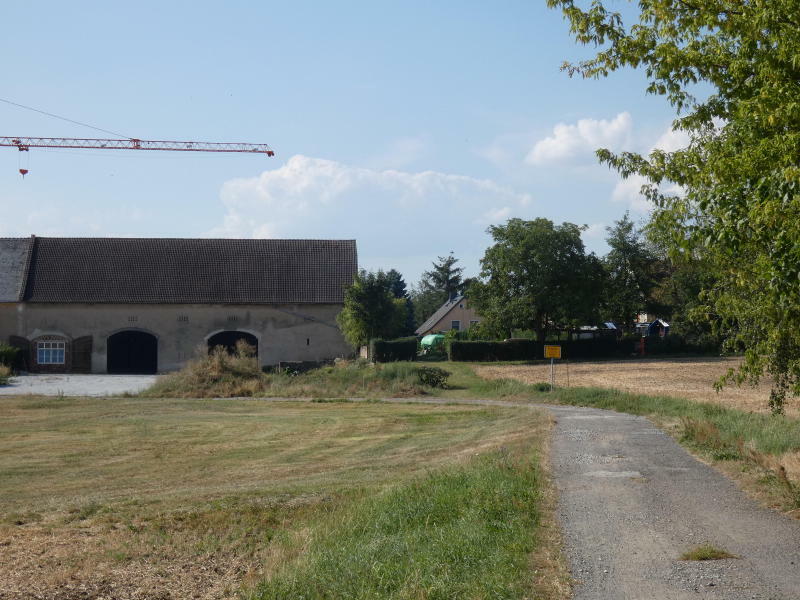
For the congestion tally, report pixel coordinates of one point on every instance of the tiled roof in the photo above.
(438, 315)
(190, 271)
(13, 261)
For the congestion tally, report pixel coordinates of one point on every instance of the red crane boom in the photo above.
(25, 143)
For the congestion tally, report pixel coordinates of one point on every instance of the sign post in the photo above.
(552, 352)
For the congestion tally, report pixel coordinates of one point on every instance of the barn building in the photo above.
(139, 305)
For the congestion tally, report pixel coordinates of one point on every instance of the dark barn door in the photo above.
(228, 339)
(132, 353)
(82, 355)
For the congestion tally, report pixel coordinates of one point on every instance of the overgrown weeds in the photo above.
(228, 375)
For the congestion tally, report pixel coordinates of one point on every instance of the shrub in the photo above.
(7, 354)
(5, 374)
(433, 376)
(393, 350)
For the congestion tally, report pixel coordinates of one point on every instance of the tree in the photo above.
(371, 310)
(633, 273)
(740, 174)
(436, 287)
(397, 284)
(444, 276)
(537, 276)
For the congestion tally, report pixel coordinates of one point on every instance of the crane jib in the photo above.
(25, 143)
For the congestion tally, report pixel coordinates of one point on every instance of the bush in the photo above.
(433, 376)
(7, 354)
(489, 351)
(393, 350)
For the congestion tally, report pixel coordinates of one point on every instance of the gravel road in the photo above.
(76, 385)
(631, 501)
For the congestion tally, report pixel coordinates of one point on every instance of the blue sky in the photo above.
(408, 126)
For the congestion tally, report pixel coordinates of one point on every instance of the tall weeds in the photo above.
(227, 375)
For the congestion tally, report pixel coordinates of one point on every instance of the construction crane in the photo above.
(24, 144)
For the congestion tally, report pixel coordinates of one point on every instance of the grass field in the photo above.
(689, 378)
(145, 498)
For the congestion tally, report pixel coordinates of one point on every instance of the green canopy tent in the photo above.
(432, 343)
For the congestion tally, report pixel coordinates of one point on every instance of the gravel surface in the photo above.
(76, 385)
(631, 501)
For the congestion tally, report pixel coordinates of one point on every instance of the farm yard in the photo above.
(141, 498)
(688, 378)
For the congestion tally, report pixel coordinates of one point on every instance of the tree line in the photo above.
(537, 276)
(725, 232)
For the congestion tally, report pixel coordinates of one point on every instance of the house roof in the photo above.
(438, 315)
(186, 271)
(14, 254)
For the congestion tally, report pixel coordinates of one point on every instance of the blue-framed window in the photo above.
(50, 353)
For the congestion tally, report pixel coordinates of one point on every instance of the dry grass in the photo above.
(223, 375)
(5, 374)
(141, 498)
(689, 378)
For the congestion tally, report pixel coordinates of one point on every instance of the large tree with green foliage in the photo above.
(740, 175)
(537, 276)
(371, 309)
(633, 272)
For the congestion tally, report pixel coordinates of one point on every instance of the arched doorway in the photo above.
(132, 352)
(228, 340)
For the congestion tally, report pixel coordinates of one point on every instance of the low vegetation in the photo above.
(706, 552)
(459, 532)
(143, 498)
(5, 374)
(224, 375)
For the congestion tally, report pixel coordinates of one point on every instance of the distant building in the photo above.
(453, 314)
(112, 305)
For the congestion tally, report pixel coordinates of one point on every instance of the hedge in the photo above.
(393, 350)
(7, 355)
(607, 347)
(459, 350)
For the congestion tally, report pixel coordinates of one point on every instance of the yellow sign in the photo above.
(552, 351)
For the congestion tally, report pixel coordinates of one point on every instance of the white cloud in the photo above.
(594, 231)
(569, 143)
(402, 152)
(628, 191)
(494, 215)
(672, 140)
(391, 213)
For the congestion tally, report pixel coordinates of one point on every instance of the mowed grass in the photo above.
(184, 497)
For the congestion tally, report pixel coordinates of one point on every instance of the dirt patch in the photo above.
(689, 378)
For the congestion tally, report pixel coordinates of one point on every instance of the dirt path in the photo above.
(631, 501)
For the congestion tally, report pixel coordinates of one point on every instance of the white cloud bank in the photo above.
(570, 143)
(393, 214)
(628, 191)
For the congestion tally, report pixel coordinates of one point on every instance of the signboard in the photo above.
(552, 351)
